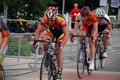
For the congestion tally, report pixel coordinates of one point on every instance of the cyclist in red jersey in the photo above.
(73, 14)
(89, 25)
(57, 28)
(104, 25)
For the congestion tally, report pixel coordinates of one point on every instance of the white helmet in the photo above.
(100, 12)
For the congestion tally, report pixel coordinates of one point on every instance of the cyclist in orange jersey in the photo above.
(57, 28)
(89, 26)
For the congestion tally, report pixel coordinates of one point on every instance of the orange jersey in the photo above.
(59, 22)
(91, 19)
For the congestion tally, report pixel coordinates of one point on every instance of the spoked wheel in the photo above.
(88, 70)
(102, 59)
(53, 67)
(80, 64)
(2, 73)
(96, 60)
(45, 68)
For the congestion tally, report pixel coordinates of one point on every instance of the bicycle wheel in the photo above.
(96, 60)
(102, 59)
(80, 63)
(87, 59)
(45, 68)
(53, 67)
(2, 73)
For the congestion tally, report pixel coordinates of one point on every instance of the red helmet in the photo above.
(85, 11)
(51, 12)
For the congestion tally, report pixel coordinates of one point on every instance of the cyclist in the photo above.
(3, 42)
(57, 28)
(105, 26)
(89, 25)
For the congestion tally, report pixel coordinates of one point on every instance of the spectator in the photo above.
(73, 14)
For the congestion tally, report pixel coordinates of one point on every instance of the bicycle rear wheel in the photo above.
(80, 63)
(2, 73)
(45, 68)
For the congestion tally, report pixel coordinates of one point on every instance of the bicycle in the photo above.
(99, 51)
(2, 73)
(49, 61)
(85, 59)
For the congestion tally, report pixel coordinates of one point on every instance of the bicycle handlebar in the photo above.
(47, 41)
(83, 36)
(102, 32)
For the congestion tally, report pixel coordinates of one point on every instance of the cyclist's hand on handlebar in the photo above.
(35, 45)
(72, 39)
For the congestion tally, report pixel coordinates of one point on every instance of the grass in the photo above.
(14, 46)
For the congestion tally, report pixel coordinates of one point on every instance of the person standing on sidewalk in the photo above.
(73, 14)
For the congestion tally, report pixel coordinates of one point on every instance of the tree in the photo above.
(28, 9)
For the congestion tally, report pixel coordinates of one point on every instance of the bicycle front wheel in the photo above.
(80, 63)
(45, 69)
(102, 59)
(96, 60)
(2, 73)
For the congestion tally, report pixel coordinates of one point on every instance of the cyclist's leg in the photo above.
(92, 47)
(105, 36)
(105, 41)
(83, 31)
(59, 58)
(46, 35)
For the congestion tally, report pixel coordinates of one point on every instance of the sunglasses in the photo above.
(51, 20)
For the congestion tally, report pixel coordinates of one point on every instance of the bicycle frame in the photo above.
(48, 57)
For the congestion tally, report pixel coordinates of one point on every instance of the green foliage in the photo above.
(34, 9)
(13, 46)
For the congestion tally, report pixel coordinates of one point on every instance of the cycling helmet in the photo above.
(51, 12)
(85, 11)
(100, 12)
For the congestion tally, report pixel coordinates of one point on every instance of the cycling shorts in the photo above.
(88, 29)
(55, 34)
(101, 28)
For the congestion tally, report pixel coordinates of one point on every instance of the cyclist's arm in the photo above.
(110, 28)
(77, 23)
(75, 29)
(66, 35)
(95, 27)
(109, 25)
(4, 43)
(38, 30)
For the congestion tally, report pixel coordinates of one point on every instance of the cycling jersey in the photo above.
(104, 21)
(92, 18)
(54, 31)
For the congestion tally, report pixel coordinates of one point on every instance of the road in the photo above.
(111, 70)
